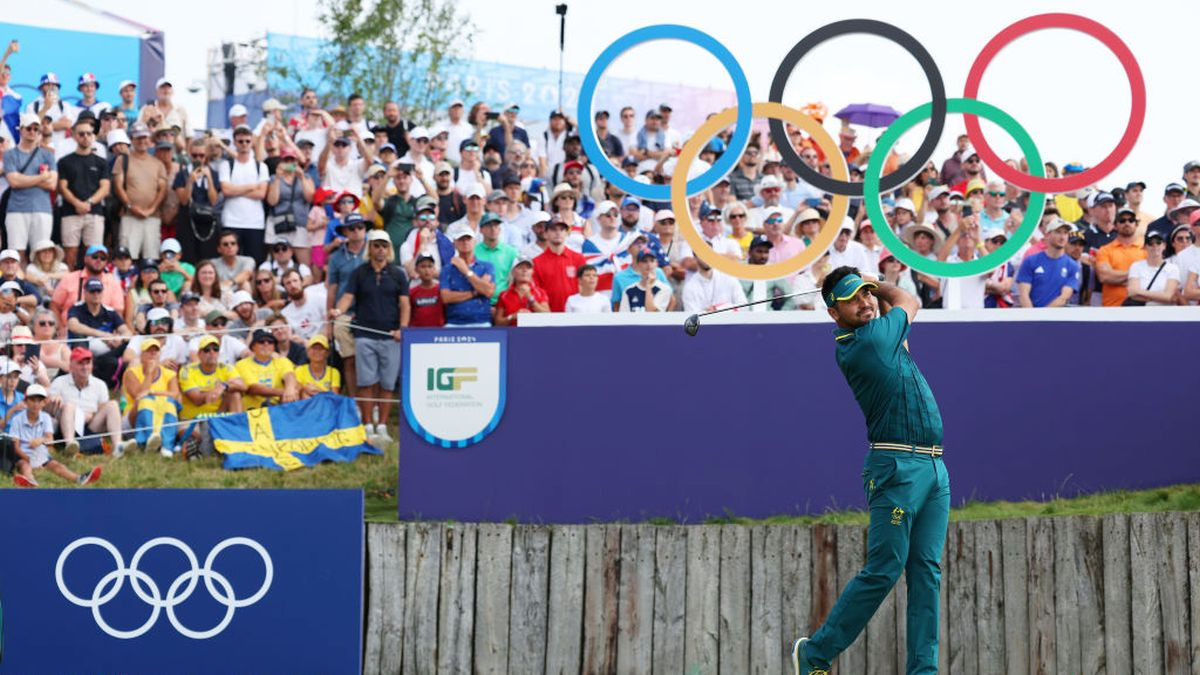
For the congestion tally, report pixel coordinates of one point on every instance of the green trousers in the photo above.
(909, 500)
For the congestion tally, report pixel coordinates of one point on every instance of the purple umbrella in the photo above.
(868, 114)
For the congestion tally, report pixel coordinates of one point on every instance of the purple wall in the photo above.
(631, 422)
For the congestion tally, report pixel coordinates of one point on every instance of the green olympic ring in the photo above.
(1037, 200)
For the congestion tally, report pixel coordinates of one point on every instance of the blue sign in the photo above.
(454, 384)
(203, 581)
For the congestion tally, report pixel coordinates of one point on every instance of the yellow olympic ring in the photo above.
(837, 211)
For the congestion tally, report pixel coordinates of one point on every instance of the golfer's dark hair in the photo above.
(834, 277)
(586, 268)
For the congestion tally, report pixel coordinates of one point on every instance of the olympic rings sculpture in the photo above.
(110, 584)
(873, 183)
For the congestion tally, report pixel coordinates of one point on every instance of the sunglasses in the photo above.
(45, 324)
(774, 221)
(244, 141)
(161, 322)
(33, 128)
(263, 281)
(380, 244)
(346, 201)
(1183, 237)
(99, 256)
(159, 291)
(997, 240)
(668, 221)
(425, 217)
(211, 348)
(1126, 220)
(996, 194)
(1156, 242)
(199, 158)
(713, 216)
(280, 248)
(974, 160)
(738, 216)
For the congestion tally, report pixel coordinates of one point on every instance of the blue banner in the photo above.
(198, 581)
(325, 427)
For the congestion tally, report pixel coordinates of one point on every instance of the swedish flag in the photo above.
(292, 435)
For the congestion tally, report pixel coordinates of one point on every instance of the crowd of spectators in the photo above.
(222, 269)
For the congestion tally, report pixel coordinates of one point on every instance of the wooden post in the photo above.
(385, 598)
(670, 598)
(734, 638)
(1067, 654)
(1118, 631)
(422, 581)
(851, 552)
(989, 596)
(456, 609)
(635, 626)
(528, 602)
(493, 578)
(1013, 545)
(795, 586)
(702, 624)
(564, 637)
(1173, 592)
(960, 564)
(1146, 611)
(1041, 596)
(766, 599)
(602, 578)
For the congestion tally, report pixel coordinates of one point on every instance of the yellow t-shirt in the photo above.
(161, 386)
(192, 378)
(271, 374)
(1068, 208)
(331, 378)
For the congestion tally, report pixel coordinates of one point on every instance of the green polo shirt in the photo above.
(893, 395)
(501, 258)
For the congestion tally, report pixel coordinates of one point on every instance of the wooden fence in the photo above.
(1110, 594)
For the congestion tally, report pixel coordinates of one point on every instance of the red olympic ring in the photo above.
(1137, 114)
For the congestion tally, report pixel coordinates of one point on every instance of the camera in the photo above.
(560, 10)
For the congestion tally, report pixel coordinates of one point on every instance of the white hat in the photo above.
(35, 390)
(1188, 203)
(522, 260)
(171, 244)
(993, 232)
(157, 314)
(808, 214)
(906, 204)
(938, 192)
(1058, 224)
(29, 118)
(539, 217)
(419, 132)
(459, 230)
(241, 297)
(10, 254)
(605, 206)
(646, 165)
(161, 81)
(967, 152)
(7, 366)
(238, 110)
(11, 286)
(476, 190)
(378, 235)
(272, 104)
(663, 215)
(768, 181)
(848, 224)
(126, 83)
(116, 136)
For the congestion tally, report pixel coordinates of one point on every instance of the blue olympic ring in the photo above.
(741, 132)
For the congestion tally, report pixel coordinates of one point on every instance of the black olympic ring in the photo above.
(937, 119)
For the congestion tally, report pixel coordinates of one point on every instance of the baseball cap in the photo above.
(938, 192)
(1173, 187)
(1153, 234)
(522, 260)
(489, 218)
(378, 235)
(761, 240)
(148, 264)
(80, 354)
(263, 335)
(846, 287)
(94, 249)
(422, 258)
(1194, 164)
(214, 316)
(475, 190)
(208, 340)
(1099, 197)
(171, 244)
(630, 200)
(10, 254)
(10, 287)
(443, 167)
(93, 285)
(187, 297)
(496, 195)
(460, 230)
(157, 314)
(457, 101)
(419, 132)
(514, 107)
(1133, 184)
(906, 204)
(272, 104)
(150, 343)
(376, 168)
(163, 145)
(1126, 209)
(126, 83)
(138, 130)
(663, 214)
(161, 82)
(238, 110)
(629, 160)
(993, 232)
(424, 203)
(646, 253)
(29, 119)
(468, 144)
(976, 184)
(241, 298)
(1076, 237)
(35, 390)
(1058, 224)
(539, 218)
(341, 140)
(116, 136)
(605, 206)
(573, 164)
(707, 210)
(318, 339)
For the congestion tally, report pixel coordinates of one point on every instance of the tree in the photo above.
(391, 50)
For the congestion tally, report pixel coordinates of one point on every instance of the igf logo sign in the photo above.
(448, 379)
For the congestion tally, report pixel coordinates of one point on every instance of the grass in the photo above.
(376, 476)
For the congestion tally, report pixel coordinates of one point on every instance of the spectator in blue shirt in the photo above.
(467, 283)
(1049, 278)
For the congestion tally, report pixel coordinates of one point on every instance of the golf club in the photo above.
(692, 323)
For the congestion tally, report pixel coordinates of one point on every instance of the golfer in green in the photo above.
(908, 489)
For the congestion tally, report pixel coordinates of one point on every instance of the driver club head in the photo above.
(691, 325)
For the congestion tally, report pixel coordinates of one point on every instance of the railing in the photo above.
(1039, 595)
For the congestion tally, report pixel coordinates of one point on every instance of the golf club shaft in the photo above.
(759, 302)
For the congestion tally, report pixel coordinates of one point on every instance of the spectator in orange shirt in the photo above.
(70, 289)
(1115, 258)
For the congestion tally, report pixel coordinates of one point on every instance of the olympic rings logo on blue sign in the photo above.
(110, 584)
(873, 184)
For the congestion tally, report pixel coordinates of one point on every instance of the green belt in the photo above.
(931, 450)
